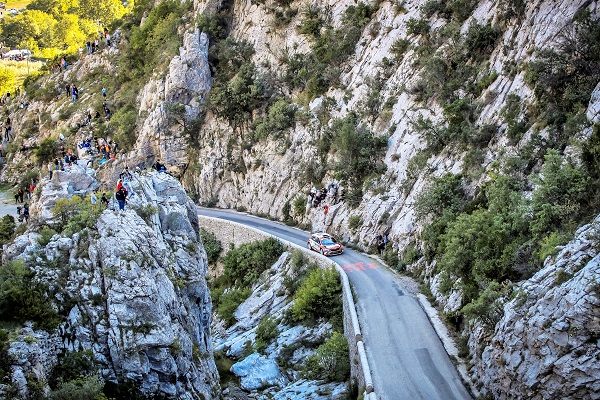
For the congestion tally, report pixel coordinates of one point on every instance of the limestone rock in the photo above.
(257, 372)
(144, 307)
(593, 111)
(546, 345)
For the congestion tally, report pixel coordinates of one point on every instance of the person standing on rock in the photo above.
(68, 87)
(93, 199)
(104, 200)
(120, 196)
(50, 168)
(104, 93)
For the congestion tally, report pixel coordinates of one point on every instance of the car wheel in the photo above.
(309, 246)
(322, 252)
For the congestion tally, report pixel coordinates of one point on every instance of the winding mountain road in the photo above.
(407, 359)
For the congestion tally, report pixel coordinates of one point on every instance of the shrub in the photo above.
(70, 366)
(487, 308)
(46, 235)
(280, 117)
(319, 296)
(22, 298)
(266, 331)
(330, 362)
(399, 48)
(87, 387)
(244, 265)
(227, 303)
(214, 26)
(124, 123)
(354, 221)
(444, 194)
(46, 151)
(480, 40)
(74, 214)
(312, 21)
(145, 211)
(563, 80)
(417, 27)
(212, 246)
(235, 100)
(7, 228)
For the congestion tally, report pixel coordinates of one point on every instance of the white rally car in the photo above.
(325, 244)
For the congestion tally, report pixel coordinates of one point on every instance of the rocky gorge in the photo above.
(476, 132)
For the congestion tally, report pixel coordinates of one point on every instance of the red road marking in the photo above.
(359, 266)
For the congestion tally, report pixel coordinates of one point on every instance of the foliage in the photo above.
(46, 235)
(74, 214)
(123, 121)
(359, 154)
(7, 228)
(236, 99)
(87, 387)
(563, 79)
(46, 151)
(311, 22)
(480, 40)
(354, 221)
(319, 296)
(155, 40)
(4, 356)
(416, 26)
(331, 360)
(212, 246)
(243, 266)
(399, 48)
(511, 112)
(487, 308)
(266, 331)
(23, 298)
(49, 28)
(227, 303)
(444, 194)
(591, 153)
(146, 212)
(562, 189)
(70, 366)
(280, 117)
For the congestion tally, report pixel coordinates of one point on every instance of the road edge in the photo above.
(347, 293)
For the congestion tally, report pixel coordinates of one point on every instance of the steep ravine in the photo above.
(542, 341)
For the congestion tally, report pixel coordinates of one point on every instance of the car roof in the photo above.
(322, 235)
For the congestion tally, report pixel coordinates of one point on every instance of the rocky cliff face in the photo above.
(137, 283)
(547, 343)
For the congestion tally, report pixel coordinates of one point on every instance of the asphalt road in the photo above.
(407, 359)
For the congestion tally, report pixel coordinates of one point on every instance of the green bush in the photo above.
(87, 387)
(227, 303)
(212, 245)
(561, 190)
(146, 211)
(487, 308)
(416, 26)
(46, 151)
(236, 99)
(444, 194)
(74, 214)
(480, 40)
(47, 234)
(399, 48)
(359, 154)
(124, 123)
(22, 298)
(319, 296)
(7, 228)
(243, 266)
(214, 26)
(354, 221)
(71, 366)
(266, 331)
(311, 22)
(563, 79)
(330, 362)
(280, 117)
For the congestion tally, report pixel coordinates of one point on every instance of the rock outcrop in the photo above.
(138, 276)
(275, 372)
(547, 344)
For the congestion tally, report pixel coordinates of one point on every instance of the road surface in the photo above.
(407, 359)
